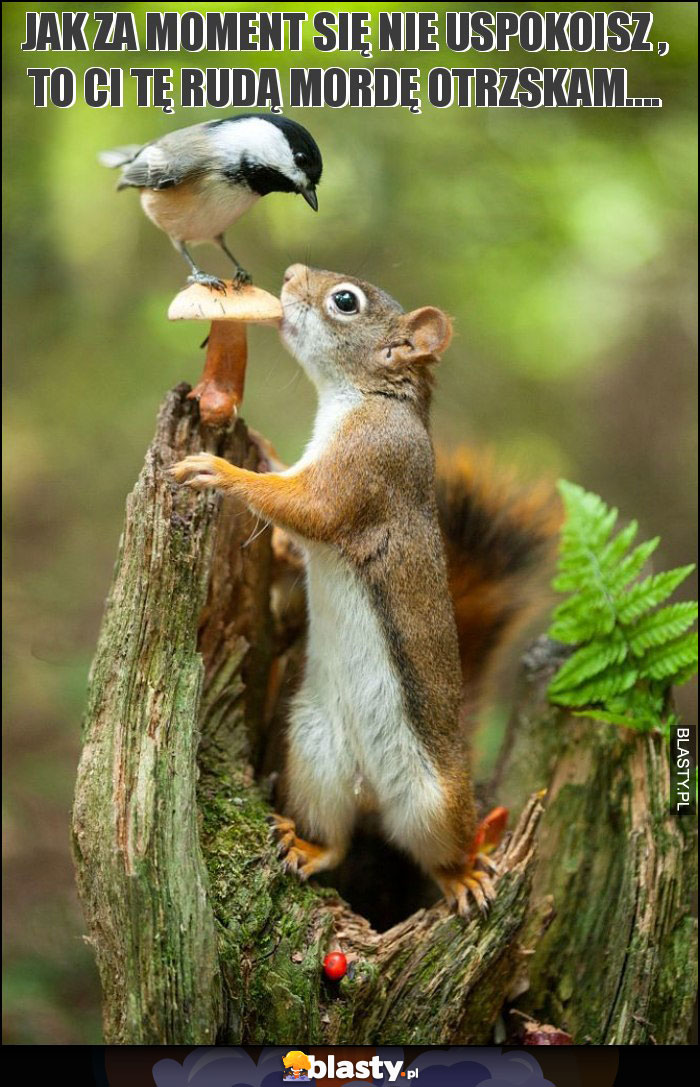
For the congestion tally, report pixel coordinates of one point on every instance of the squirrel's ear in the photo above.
(427, 333)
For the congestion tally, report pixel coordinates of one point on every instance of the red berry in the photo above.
(335, 965)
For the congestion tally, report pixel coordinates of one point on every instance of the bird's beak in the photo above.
(309, 194)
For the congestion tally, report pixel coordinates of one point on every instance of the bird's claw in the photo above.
(206, 280)
(242, 278)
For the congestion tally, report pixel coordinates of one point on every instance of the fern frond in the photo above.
(630, 650)
(645, 701)
(650, 593)
(625, 720)
(685, 674)
(663, 626)
(612, 681)
(587, 516)
(630, 567)
(667, 661)
(588, 661)
(583, 616)
(614, 551)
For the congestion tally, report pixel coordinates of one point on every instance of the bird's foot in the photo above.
(475, 880)
(242, 278)
(205, 280)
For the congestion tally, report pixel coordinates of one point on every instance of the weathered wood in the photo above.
(618, 964)
(141, 873)
(432, 978)
(198, 933)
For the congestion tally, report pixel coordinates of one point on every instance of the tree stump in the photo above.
(199, 935)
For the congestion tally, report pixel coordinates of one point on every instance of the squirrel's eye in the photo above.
(346, 302)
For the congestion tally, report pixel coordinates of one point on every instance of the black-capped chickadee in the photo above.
(199, 180)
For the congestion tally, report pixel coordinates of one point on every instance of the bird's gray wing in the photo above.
(169, 161)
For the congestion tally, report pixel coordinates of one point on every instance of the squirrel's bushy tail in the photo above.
(500, 541)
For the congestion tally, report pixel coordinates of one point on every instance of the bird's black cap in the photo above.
(304, 147)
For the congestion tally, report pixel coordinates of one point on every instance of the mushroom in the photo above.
(220, 388)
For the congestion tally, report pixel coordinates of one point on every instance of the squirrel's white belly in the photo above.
(197, 211)
(349, 734)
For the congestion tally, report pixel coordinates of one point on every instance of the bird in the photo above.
(197, 181)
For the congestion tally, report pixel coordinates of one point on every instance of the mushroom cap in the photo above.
(238, 303)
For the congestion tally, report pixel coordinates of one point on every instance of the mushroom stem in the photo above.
(220, 388)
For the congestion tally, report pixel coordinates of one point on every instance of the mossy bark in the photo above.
(618, 964)
(200, 937)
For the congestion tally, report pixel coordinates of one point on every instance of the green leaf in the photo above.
(683, 675)
(631, 566)
(608, 718)
(572, 630)
(666, 661)
(574, 573)
(644, 700)
(613, 681)
(662, 626)
(628, 654)
(588, 662)
(649, 593)
(587, 515)
(582, 616)
(613, 552)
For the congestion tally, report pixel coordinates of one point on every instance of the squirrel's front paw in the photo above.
(200, 470)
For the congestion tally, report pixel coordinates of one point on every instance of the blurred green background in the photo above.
(562, 241)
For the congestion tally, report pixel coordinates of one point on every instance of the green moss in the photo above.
(273, 930)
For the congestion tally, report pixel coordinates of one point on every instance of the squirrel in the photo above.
(413, 585)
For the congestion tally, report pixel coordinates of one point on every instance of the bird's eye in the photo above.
(346, 302)
(300, 158)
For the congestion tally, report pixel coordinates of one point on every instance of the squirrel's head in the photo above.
(348, 333)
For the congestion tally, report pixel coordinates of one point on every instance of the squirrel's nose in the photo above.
(293, 272)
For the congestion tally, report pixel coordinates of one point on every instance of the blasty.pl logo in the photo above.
(231, 1066)
(299, 1067)
(296, 1066)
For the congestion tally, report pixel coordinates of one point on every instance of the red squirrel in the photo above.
(412, 584)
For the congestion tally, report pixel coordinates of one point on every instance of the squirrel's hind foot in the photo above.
(474, 881)
(302, 858)
(472, 884)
